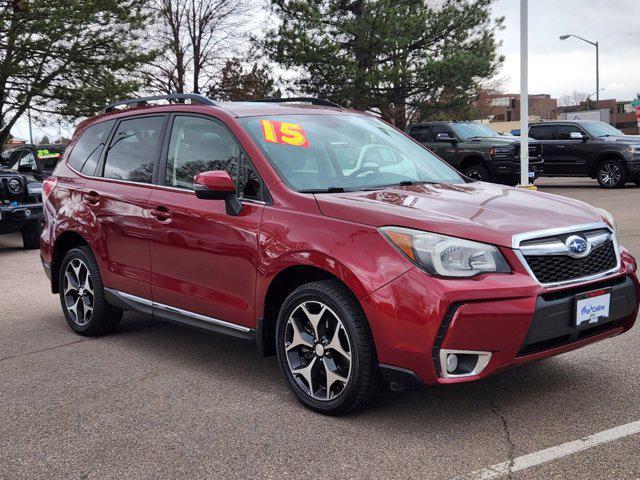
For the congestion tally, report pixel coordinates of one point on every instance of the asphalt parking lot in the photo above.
(160, 401)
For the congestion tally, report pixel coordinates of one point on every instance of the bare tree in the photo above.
(574, 98)
(196, 38)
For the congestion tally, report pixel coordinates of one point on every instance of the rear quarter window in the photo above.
(87, 150)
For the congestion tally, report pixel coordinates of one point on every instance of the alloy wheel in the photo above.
(78, 292)
(610, 174)
(318, 350)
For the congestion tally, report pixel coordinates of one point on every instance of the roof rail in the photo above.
(323, 102)
(194, 97)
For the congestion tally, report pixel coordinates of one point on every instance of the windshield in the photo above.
(601, 129)
(472, 130)
(316, 153)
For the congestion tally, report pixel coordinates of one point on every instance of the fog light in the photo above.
(452, 362)
(462, 363)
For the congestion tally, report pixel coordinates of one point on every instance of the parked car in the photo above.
(478, 151)
(37, 161)
(20, 206)
(588, 148)
(328, 238)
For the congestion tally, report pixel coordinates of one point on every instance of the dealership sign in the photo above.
(636, 104)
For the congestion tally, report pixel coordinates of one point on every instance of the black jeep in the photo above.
(478, 151)
(588, 148)
(21, 206)
(39, 161)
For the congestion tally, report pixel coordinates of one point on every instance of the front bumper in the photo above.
(510, 316)
(13, 218)
(511, 168)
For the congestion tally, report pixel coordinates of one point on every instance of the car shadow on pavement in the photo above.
(558, 384)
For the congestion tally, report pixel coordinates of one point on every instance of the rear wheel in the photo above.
(31, 235)
(612, 174)
(477, 172)
(82, 295)
(324, 349)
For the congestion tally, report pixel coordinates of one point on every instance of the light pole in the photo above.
(595, 44)
(524, 93)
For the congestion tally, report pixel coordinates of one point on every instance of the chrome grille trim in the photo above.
(554, 248)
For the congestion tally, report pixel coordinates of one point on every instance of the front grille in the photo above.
(534, 150)
(560, 268)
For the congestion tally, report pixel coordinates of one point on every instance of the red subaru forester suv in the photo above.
(328, 238)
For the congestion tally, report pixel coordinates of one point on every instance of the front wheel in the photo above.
(477, 172)
(612, 174)
(325, 351)
(82, 295)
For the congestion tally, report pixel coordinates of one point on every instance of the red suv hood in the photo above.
(478, 211)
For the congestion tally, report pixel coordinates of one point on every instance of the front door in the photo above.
(204, 260)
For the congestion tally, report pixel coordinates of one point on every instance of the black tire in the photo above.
(103, 317)
(612, 174)
(477, 172)
(31, 235)
(363, 381)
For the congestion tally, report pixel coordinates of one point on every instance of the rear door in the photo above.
(204, 260)
(117, 194)
(553, 156)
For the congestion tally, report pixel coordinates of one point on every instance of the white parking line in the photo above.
(554, 453)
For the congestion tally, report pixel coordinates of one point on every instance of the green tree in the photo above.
(68, 57)
(236, 84)
(403, 59)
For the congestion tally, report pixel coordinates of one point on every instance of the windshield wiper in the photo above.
(323, 190)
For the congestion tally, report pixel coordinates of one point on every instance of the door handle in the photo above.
(92, 198)
(161, 214)
(560, 146)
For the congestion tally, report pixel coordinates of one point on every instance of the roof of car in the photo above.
(552, 122)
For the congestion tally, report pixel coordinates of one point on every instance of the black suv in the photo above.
(583, 148)
(21, 206)
(478, 151)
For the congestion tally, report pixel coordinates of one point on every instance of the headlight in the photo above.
(446, 256)
(633, 149)
(15, 186)
(611, 221)
(501, 152)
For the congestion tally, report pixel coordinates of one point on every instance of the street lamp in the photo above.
(595, 44)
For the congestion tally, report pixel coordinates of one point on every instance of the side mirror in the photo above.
(446, 138)
(218, 185)
(578, 136)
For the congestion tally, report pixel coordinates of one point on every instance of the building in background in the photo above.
(502, 111)
(505, 107)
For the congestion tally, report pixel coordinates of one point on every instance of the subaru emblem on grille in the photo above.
(577, 246)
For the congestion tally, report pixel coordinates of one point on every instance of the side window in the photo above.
(542, 132)
(249, 182)
(565, 131)
(87, 150)
(420, 132)
(27, 163)
(436, 129)
(199, 145)
(133, 149)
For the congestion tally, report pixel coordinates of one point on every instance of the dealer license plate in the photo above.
(592, 307)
